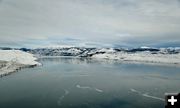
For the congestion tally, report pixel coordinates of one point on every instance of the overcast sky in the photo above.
(107, 23)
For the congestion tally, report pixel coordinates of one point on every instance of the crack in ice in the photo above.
(90, 88)
(146, 95)
(66, 92)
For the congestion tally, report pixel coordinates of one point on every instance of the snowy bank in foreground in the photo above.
(13, 60)
(18, 57)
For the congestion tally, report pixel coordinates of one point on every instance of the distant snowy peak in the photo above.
(143, 54)
(56, 46)
(108, 50)
(145, 47)
(88, 52)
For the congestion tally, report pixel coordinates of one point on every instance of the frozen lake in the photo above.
(88, 83)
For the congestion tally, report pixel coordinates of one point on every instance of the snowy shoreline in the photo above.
(14, 60)
(115, 60)
(147, 55)
(134, 58)
(172, 59)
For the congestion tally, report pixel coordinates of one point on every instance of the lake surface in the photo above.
(88, 83)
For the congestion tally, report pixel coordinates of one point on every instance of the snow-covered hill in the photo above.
(12, 60)
(88, 52)
(18, 57)
(142, 54)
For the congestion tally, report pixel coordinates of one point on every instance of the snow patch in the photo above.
(18, 57)
(13, 60)
(141, 57)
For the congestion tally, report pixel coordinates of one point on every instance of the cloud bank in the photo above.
(34, 23)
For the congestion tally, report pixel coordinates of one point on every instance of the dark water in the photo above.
(83, 83)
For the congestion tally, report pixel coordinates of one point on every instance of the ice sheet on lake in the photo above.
(153, 97)
(75, 75)
(59, 102)
(146, 95)
(83, 87)
(133, 90)
(90, 88)
(98, 90)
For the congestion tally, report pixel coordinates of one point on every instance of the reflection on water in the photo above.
(79, 60)
(74, 60)
(89, 83)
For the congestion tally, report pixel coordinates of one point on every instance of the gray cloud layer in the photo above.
(126, 22)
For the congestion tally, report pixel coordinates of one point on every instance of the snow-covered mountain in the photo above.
(12, 59)
(88, 52)
(142, 54)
